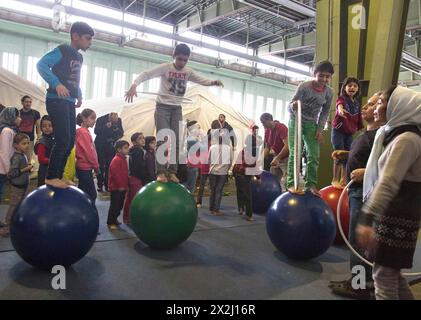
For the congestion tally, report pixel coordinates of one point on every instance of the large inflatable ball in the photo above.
(54, 227)
(331, 195)
(300, 226)
(163, 215)
(264, 191)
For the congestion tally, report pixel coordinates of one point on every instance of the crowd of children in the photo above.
(61, 68)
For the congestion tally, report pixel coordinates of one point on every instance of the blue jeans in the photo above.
(63, 117)
(355, 200)
(341, 141)
(86, 183)
(216, 185)
(192, 174)
(203, 178)
(3, 179)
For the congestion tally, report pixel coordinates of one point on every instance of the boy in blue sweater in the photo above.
(60, 68)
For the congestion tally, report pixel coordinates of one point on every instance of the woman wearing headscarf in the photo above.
(9, 123)
(392, 190)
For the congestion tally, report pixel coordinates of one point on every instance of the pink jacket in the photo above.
(6, 149)
(86, 157)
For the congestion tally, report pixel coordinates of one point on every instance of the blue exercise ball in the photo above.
(54, 227)
(300, 226)
(264, 191)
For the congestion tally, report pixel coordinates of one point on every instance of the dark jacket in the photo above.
(107, 136)
(18, 178)
(150, 167)
(137, 164)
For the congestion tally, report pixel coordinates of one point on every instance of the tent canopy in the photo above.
(137, 116)
(14, 87)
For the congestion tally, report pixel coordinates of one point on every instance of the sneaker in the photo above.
(250, 219)
(240, 212)
(173, 178)
(113, 227)
(218, 213)
(348, 292)
(340, 283)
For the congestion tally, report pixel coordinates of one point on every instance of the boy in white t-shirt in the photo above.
(168, 115)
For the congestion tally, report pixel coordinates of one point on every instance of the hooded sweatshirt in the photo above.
(137, 165)
(7, 133)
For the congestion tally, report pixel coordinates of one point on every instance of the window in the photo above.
(11, 62)
(279, 111)
(140, 86)
(226, 96)
(214, 90)
(237, 100)
(83, 79)
(153, 84)
(269, 105)
(249, 105)
(100, 82)
(119, 84)
(259, 108)
(32, 72)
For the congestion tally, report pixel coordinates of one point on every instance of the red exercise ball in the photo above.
(331, 195)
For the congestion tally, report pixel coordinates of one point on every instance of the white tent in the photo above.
(14, 87)
(136, 116)
(139, 115)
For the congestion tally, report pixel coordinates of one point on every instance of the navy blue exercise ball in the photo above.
(54, 227)
(264, 191)
(300, 226)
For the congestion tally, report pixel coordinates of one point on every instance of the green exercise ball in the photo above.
(163, 215)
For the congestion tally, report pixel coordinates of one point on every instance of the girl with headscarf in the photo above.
(392, 190)
(9, 123)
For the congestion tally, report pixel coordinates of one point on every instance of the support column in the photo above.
(363, 39)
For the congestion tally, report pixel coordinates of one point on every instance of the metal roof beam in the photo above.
(297, 7)
(303, 41)
(214, 13)
(181, 4)
(278, 15)
(175, 37)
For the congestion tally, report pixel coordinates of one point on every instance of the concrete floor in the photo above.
(225, 258)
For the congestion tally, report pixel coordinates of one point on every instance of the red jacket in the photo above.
(86, 157)
(118, 174)
(352, 122)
